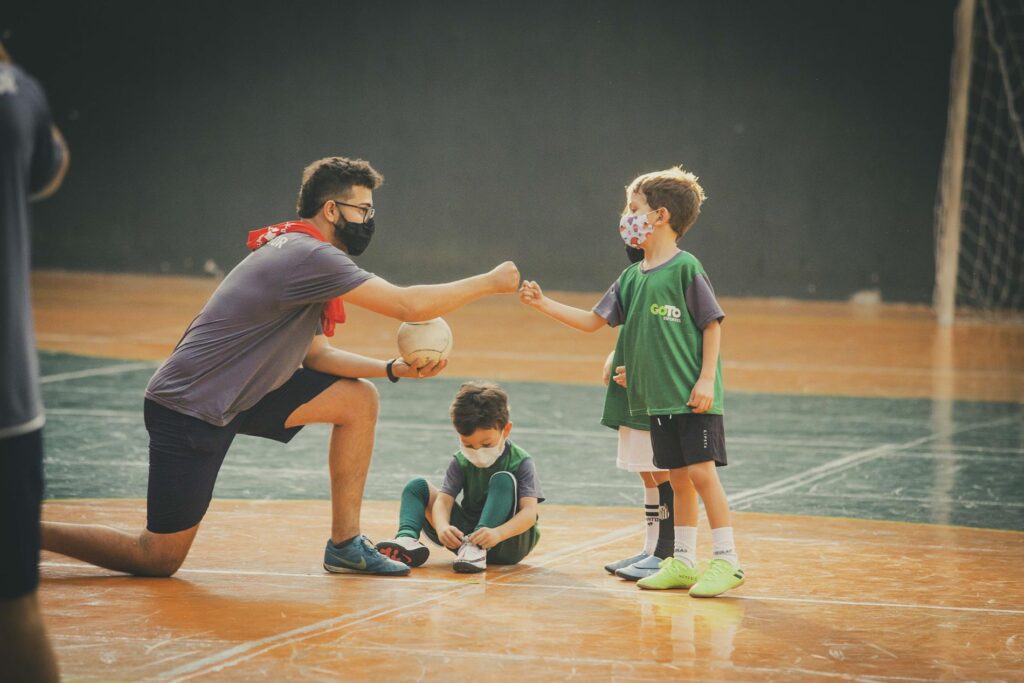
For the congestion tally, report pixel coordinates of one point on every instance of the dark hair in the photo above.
(331, 177)
(479, 406)
(675, 189)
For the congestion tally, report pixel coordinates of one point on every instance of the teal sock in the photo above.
(501, 501)
(412, 513)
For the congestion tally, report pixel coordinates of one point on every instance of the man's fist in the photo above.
(505, 277)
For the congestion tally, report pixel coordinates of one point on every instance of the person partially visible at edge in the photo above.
(33, 161)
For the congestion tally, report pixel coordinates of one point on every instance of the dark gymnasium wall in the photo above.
(505, 130)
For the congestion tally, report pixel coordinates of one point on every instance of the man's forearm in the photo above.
(341, 363)
(424, 302)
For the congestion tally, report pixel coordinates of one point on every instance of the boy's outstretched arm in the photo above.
(576, 318)
(524, 519)
(703, 394)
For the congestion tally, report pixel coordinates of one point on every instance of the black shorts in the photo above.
(687, 439)
(21, 494)
(185, 453)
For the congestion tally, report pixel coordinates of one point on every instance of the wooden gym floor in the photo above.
(877, 463)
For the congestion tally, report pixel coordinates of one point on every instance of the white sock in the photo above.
(723, 547)
(685, 547)
(650, 520)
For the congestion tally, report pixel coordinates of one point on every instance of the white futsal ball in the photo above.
(425, 342)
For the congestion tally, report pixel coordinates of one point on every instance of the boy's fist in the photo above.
(505, 277)
(702, 397)
(530, 293)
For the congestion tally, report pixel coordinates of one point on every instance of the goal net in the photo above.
(980, 214)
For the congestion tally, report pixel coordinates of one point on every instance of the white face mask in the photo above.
(635, 229)
(483, 457)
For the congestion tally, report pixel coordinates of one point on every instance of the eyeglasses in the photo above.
(368, 211)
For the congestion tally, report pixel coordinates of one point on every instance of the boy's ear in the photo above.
(664, 215)
(508, 430)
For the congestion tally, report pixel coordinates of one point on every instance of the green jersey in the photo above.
(663, 313)
(616, 403)
(473, 482)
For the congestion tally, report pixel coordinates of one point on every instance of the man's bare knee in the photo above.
(162, 555)
(364, 405)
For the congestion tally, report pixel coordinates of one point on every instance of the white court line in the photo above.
(245, 651)
(846, 462)
(219, 661)
(602, 434)
(133, 415)
(559, 587)
(870, 369)
(962, 502)
(755, 673)
(93, 372)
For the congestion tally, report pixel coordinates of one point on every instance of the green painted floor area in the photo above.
(909, 460)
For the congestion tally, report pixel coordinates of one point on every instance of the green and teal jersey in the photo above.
(663, 313)
(472, 481)
(616, 402)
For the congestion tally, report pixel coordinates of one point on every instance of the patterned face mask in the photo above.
(634, 228)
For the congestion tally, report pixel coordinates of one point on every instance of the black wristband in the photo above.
(391, 373)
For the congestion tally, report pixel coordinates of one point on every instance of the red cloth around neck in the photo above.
(334, 310)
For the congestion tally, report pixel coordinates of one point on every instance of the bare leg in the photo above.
(351, 405)
(687, 510)
(25, 653)
(144, 554)
(709, 487)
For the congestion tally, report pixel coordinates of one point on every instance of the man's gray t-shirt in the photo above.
(255, 330)
(30, 159)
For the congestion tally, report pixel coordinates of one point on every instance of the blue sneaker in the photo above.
(358, 556)
(622, 564)
(640, 570)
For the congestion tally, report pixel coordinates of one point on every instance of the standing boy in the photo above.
(634, 454)
(497, 520)
(671, 339)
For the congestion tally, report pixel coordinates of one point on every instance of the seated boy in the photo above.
(497, 520)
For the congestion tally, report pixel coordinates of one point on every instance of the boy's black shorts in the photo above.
(21, 494)
(687, 439)
(185, 453)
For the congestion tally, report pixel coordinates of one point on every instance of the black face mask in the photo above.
(355, 236)
(634, 254)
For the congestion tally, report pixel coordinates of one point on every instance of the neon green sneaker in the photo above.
(719, 577)
(672, 573)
